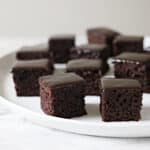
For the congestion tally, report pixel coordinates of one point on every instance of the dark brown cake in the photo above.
(60, 45)
(90, 51)
(121, 100)
(102, 35)
(124, 43)
(63, 95)
(39, 51)
(134, 66)
(26, 74)
(91, 70)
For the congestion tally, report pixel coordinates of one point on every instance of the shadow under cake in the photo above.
(134, 66)
(63, 95)
(26, 74)
(121, 100)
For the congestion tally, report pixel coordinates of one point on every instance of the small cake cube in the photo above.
(63, 95)
(60, 45)
(124, 43)
(121, 100)
(90, 51)
(39, 51)
(102, 35)
(134, 66)
(26, 74)
(91, 70)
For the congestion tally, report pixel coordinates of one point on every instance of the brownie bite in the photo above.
(63, 95)
(91, 70)
(39, 51)
(26, 74)
(134, 66)
(90, 51)
(121, 100)
(60, 45)
(102, 35)
(129, 43)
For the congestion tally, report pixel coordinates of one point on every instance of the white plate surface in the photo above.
(90, 124)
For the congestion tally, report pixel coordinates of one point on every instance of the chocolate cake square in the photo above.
(60, 45)
(134, 66)
(121, 100)
(90, 51)
(39, 51)
(91, 70)
(26, 74)
(63, 95)
(102, 35)
(128, 43)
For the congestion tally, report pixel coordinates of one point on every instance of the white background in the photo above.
(41, 18)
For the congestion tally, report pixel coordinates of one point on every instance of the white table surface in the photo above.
(16, 133)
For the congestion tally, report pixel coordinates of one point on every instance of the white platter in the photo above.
(90, 124)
